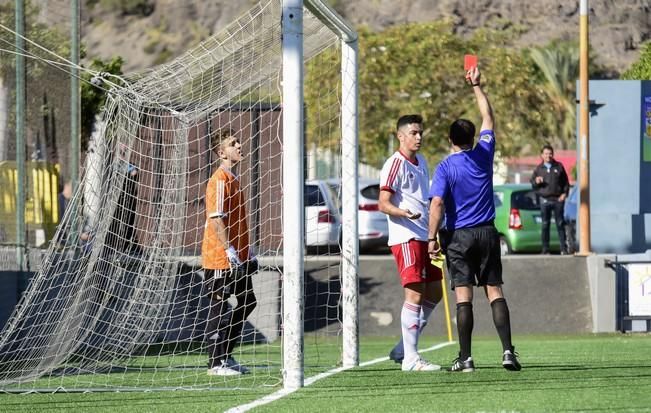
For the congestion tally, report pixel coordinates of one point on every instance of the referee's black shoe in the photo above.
(465, 366)
(510, 360)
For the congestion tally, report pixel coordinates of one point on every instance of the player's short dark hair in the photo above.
(409, 119)
(219, 136)
(462, 132)
(547, 146)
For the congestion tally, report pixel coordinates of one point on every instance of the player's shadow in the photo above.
(110, 315)
(322, 287)
(178, 320)
(186, 319)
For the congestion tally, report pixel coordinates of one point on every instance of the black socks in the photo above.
(502, 322)
(465, 324)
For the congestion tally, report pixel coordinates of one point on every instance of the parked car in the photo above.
(518, 220)
(372, 226)
(322, 219)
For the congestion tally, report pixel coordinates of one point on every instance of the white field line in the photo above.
(311, 380)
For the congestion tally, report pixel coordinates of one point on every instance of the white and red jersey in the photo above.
(408, 183)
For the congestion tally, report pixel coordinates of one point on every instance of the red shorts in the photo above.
(414, 263)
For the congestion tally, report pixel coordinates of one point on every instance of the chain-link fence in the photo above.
(35, 116)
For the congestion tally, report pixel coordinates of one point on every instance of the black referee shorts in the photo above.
(473, 256)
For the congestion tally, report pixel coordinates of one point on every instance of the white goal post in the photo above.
(293, 183)
(121, 302)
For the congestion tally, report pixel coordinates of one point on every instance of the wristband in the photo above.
(475, 84)
(432, 239)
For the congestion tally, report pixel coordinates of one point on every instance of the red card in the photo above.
(469, 61)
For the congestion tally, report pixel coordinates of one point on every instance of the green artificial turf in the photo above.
(560, 373)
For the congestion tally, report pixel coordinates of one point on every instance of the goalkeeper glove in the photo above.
(233, 258)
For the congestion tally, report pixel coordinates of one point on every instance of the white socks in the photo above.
(425, 311)
(410, 322)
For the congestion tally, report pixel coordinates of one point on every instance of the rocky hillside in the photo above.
(165, 28)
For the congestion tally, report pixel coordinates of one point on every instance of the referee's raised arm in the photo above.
(487, 119)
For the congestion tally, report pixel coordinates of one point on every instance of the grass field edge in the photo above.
(311, 380)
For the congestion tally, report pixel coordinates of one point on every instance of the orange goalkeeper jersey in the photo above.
(224, 200)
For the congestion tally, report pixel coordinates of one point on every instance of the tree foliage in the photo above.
(36, 32)
(640, 70)
(92, 97)
(557, 72)
(418, 68)
(558, 63)
(45, 82)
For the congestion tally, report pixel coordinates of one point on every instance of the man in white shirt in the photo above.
(404, 183)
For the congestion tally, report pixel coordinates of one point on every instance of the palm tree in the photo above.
(558, 63)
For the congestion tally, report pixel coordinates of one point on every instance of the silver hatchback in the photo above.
(373, 227)
(322, 220)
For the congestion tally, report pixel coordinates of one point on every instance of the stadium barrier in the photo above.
(545, 294)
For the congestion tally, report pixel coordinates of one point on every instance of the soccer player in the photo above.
(462, 188)
(403, 197)
(226, 258)
(121, 235)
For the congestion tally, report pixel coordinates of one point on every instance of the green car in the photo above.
(518, 220)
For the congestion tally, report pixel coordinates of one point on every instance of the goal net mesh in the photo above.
(120, 300)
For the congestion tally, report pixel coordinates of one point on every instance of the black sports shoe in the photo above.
(510, 361)
(396, 355)
(464, 366)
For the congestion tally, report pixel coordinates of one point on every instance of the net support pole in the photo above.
(584, 136)
(21, 241)
(349, 198)
(293, 211)
(75, 103)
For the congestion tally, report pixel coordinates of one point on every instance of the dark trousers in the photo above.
(546, 209)
(225, 323)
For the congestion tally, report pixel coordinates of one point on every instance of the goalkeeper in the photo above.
(226, 258)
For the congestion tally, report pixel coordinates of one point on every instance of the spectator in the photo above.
(121, 233)
(64, 198)
(85, 236)
(550, 181)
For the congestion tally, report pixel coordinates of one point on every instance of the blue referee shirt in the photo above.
(464, 180)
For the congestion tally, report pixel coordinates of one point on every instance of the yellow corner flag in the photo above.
(438, 262)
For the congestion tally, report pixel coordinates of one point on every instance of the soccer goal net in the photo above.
(121, 301)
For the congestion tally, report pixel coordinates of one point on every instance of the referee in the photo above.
(462, 189)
